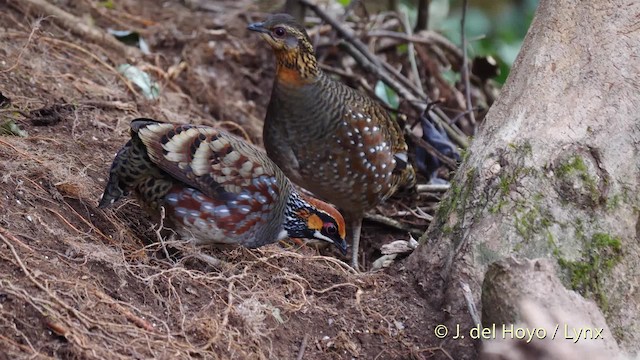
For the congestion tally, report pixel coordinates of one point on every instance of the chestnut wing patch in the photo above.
(237, 185)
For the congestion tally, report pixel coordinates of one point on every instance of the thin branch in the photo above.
(411, 51)
(80, 27)
(422, 22)
(419, 105)
(95, 57)
(303, 346)
(35, 28)
(424, 37)
(451, 164)
(465, 68)
(425, 188)
(342, 31)
(417, 90)
(335, 70)
(79, 315)
(160, 237)
(381, 219)
(379, 72)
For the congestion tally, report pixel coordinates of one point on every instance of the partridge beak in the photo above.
(342, 246)
(258, 27)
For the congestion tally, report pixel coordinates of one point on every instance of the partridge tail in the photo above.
(130, 166)
(117, 186)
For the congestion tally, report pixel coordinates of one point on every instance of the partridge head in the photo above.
(216, 188)
(296, 61)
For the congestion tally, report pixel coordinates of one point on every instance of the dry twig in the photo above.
(96, 58)
(35, 28)
(381, 219)
(423, 37)
(425, 188)
(79, 27)
(451, 164)
(303, 346)
(465, 68)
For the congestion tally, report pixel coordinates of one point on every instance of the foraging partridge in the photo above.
(216, 188)
(327, 137)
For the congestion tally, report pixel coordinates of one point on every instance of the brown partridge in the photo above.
(327, 137)
(215, 188)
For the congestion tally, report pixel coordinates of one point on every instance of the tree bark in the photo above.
(554, 173)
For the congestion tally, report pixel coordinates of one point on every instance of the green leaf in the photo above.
(108, 4)
(450, 76)
(150, 88)
(386, 94)
(344, 3)
(9, 127)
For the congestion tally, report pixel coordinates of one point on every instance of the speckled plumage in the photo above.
(327, 137)
(340, 144)
(215, 188)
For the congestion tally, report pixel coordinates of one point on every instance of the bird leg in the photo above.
(356, 226)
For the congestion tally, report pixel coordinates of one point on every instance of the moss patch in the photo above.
(532, 221)
(573, 164)
(577, 185)
(452, 209)
(601, 253)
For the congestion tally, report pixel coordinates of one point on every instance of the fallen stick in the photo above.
(303, 347)
(381, 219)
(424, 37)
(451, 164)
(78, 26)
(424, 188)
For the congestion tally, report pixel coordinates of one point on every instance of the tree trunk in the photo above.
(554, 173)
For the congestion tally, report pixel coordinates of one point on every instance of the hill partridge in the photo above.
(327, 137)
(215, 188)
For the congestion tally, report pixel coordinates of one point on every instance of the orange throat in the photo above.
(290, 76)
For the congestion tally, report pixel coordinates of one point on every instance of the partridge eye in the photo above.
(331, 229)
(279, 32)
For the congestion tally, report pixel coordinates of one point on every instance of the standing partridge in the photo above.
(215, 188)
(327, 137)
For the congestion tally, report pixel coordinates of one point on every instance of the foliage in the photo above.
(494, 28)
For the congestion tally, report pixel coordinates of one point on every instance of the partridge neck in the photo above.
(296, 68)
(293, 224)
(294, 204)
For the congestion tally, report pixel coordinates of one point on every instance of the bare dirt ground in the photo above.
(77, 282)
